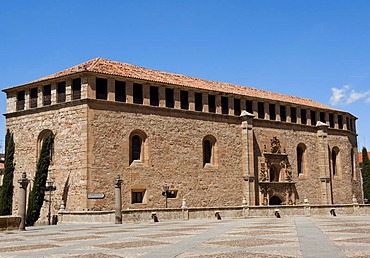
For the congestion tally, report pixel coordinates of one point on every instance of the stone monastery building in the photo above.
(214, 144)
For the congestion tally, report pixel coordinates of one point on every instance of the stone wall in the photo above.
(68, 123)
(174, 156)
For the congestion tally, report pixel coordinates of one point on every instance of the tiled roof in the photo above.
(104, 66)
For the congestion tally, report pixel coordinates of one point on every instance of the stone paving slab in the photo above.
(252, 237)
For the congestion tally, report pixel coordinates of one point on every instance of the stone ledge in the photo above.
(9, 222)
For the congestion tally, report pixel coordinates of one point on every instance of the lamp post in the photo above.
(50, 188)
(165, 192)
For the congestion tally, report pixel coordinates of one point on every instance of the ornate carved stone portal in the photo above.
(275, 178)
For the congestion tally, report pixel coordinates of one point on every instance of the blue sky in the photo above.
(313, 49)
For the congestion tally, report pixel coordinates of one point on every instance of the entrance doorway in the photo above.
(274, 200)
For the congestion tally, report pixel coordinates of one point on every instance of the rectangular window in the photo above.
(225, 105)
(76, 88)
(120, 91)
(322, 117)
(331, 120)
(237, 110)
(33, 96)
(170, 102)
(138, 93)
(198, 101)
(303, 117)
(46, 95)
(101, 88)
(261, 110)
(293, 114)
(20, 100)
(272, 112)
(137, 196)
(351, 125)
(249, 106)
(61, 92)
(313, 117)
(154, 96)
(282, 113)
(340, 121)
(184, 99)
(211, 103)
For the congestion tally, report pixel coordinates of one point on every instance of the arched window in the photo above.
(209, 153)
(138, 147)
(334, 160)
(301, 149)
(40, 140)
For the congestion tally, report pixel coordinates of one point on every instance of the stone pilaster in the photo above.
(248, 157)
(323, 162)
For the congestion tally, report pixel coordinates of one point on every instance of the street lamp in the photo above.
(50, 187)
(165, 192)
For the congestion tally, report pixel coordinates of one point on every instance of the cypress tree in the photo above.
(36, 197)
(365, 173)
(6, 193)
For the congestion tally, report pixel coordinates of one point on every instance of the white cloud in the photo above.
(340, 96)
(354, 96)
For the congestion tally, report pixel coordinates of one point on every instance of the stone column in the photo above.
(118, 200)
(218, 104)
(231, 105)
(191, 100)
(111, 89)
(176, 94)
(146, 94)
(248, 157)
(129, 92)
(162, 96)
(22, 199)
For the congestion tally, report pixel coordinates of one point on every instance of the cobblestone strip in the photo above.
(313, 242)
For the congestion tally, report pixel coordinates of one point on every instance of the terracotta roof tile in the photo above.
(104, 66)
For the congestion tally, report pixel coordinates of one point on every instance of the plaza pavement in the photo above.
(252, 237)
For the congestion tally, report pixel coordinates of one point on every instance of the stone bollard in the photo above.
(218, 215)
(118, 200)
(332, 212)
(23, 182)
(277, 213)
(155, 217)
(183, 205)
